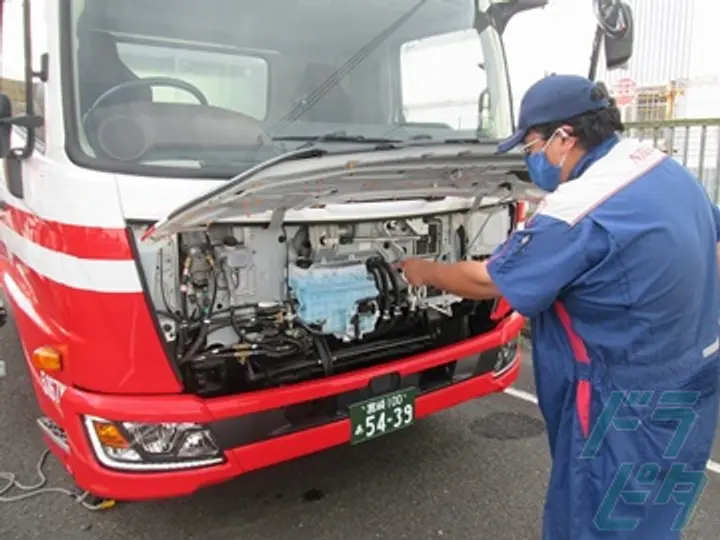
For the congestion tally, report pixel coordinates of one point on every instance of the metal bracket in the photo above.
(276, 221)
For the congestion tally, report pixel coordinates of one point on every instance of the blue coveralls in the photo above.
(618, 272)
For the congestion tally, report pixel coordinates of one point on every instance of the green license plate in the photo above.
(382, 415)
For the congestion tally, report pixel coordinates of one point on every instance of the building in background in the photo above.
(672, 70)
(672, 76)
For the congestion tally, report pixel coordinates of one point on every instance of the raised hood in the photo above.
(312, 177)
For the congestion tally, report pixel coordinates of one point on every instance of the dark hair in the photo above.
(590, 128)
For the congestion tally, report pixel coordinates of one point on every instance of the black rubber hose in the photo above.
(381, 282)
(235, 325)
(384, 300)
(394, 279)
(271, 346)
(196, 345)
(213, 298)
(182, 337)
(323, 351)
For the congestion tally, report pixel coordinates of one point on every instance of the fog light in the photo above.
(144, 446)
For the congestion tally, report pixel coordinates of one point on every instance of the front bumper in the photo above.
(264, 428)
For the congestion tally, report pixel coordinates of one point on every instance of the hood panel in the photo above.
(311, 178)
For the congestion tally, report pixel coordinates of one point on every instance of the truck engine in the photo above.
(244, 307)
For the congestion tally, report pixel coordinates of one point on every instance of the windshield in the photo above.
(217, 86)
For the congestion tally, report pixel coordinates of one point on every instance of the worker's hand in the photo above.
(416, 271)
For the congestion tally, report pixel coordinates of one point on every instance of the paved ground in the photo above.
(475, 472)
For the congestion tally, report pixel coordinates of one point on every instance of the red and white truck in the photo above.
(202, 205)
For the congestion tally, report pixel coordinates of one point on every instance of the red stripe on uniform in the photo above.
(576, 343)
(79, 241)
(583, 391)
(583, 394)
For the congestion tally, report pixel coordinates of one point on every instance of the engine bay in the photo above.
(245, 307)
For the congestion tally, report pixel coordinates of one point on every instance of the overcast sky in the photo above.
(555, 39)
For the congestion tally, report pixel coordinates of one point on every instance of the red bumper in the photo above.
(82, 463)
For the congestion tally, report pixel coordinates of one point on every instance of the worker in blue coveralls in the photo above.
(617, 270)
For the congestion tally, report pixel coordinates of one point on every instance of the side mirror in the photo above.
(615, 20)
(5, 125)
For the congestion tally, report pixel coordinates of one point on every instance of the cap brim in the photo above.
(511, 142)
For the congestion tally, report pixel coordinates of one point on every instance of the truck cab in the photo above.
(204, 203)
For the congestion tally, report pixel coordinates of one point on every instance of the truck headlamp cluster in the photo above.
(140, 446)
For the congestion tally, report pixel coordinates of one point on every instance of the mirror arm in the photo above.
(25, 121)
(29, 147)
(500, 14)
(595, 56)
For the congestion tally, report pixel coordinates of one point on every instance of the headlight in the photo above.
(152, 447)
(505, 356)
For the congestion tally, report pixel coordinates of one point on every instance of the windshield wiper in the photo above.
(349, 65)
(338, 137)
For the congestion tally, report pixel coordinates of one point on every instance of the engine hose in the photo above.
(235, 325)
(323, 352)
(213, 299)
(383, 285)
(283, 340)
(389, 277)
(258, 348)
(272, 354)
(384, 299)
(197, 343)
(182, 336)
(378, 283)
(268, 349)
(308, 329)
(395, 283)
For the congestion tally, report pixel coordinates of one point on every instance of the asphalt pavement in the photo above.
(476, 472)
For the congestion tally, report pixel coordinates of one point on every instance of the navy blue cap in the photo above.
(555, 98)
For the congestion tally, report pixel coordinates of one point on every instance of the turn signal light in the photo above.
(47, 359)
(109, 435)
